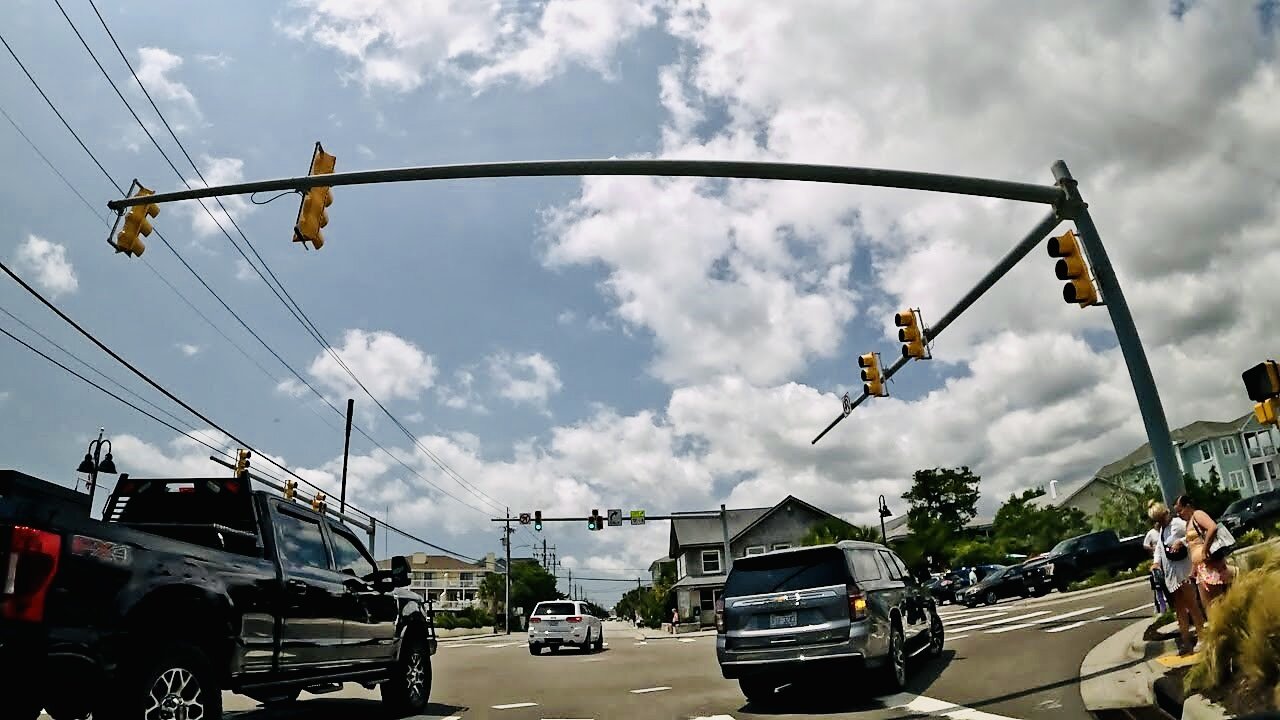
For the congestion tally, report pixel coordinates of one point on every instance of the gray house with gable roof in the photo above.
(697, 546)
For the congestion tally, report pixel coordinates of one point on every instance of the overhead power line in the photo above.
(283, 294)
(217, 297)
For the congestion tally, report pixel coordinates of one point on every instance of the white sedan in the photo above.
(558, 623)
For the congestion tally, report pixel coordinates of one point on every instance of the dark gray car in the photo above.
(787, 613)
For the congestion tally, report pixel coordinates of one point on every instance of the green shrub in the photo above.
(1242, 639)
(1252, 537)
(446, 621)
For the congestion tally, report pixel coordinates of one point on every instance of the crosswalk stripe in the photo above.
(993, 623)
(642, 691)
(1042, 621)
(927, 706)
(512, 706)
(688, 640)
(1134, 610)
(956, 637)
(1072, 626)
(976, 618)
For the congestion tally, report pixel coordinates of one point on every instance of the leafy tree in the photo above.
(1021, 527)
(833, 530)
(1210, 495)
(652, 604)
(932, 539)
(977, 552)
(942, 495)
(530, 585)
(1124, 509)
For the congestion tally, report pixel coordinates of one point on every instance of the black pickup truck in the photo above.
(1079, 557)
(190, 587)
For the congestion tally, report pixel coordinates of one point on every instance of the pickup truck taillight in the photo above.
(28, 573)
(857, 603)
(574, 619)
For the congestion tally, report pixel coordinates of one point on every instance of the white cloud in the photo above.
(205, 221)
(529, 378)
(365, 150)
(390, 366)
(155, 69)
(188, 349)
(47, 260)
(398, 45)
(566, 317)
(215, 60)
(461, 394)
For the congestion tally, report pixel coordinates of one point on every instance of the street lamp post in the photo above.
(884, 513)
(93, 463)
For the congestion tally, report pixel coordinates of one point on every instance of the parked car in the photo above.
(1004, 583)
(189, 588)
(1260, 511)
(1079, 557)
(787, 613)
(564, 623)
(955, 582)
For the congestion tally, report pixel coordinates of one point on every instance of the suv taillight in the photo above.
(535, 619)
(720, 615)
(574, 619)
(857, 603)
(28, 573)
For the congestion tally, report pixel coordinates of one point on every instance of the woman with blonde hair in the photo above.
(1175, 562)
(1211, 574)
(1156, 576)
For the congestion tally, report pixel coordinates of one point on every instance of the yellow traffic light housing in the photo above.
(136, 223)
(1262, 384)
(311, 213)
(317, 502)
(1072, 267)
(242, 461)
(872, 377)
(910, 334)
(290, 489)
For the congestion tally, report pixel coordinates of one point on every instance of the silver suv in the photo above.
(789, 612)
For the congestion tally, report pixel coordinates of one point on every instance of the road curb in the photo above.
(1119, 673)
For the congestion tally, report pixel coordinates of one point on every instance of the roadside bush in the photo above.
(1252, 537)
(1241, 655)
(446, 621)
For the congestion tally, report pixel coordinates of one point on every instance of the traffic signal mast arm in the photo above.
(1011, 258)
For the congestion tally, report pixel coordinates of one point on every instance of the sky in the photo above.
(663, 344)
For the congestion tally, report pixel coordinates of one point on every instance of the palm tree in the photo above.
(832, 530)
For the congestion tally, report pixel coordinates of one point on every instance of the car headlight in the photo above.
(1048, 569)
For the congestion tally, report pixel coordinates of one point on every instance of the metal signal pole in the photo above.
(506, 604)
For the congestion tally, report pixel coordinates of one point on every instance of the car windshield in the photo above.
(1239, 505)
(555, 609)
(819, 567)
(1063, 547)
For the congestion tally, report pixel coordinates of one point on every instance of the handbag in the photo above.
(1224, 543)
(1172, 554)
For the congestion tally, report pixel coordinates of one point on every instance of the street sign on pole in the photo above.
(637, 517)
(615, 517)
(524, 518)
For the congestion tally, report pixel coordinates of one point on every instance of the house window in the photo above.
(1206, 451)
(1228, 446)
(707, 599)
(680, 567)
(781, 546)
(710, 562)
(1236, 479)
(756, 550)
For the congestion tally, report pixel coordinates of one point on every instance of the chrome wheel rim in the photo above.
(415, 676)
(175, 695)
(935, 634)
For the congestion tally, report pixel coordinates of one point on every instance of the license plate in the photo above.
(782, 620)
(553, 623)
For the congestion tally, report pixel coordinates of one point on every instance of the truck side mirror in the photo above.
(399, 571)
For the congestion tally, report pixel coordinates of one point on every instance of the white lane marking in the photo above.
(956, 637)
(688, 640)
(919, 704)
(1134, 610)
(962, 613)
(714, 717)
(975, 618)
(993, 623)
(502, 645)
(1072, 626)
(1042, 621)
(642, 691)
(512, 706)
(641, 643)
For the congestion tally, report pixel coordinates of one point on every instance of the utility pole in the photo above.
(506, 543)
(346, 450)
(570, 583)
(724, 529)
(544, 552)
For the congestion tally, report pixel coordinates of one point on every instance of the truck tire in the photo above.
(409, 688)
(757, 690)
(174, 676)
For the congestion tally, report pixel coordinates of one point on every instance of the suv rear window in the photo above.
(555, 609)
(800, 570)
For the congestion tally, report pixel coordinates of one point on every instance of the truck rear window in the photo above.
(555, 609)
(799, 570)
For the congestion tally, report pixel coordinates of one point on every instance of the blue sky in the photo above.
(569, 344)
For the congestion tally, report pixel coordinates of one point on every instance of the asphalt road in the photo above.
(1018, 659)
